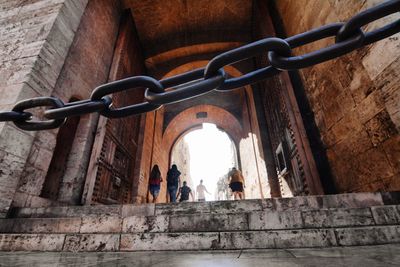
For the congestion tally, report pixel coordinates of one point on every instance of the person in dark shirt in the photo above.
(173, 182)
(184, 192)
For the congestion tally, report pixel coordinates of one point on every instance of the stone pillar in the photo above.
(35, 38)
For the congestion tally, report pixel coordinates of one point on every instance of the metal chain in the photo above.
(349, 37)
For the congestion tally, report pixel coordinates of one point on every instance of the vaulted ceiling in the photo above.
(176, 33)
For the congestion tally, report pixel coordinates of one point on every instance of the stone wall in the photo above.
(81, 73)
(180, 155)
(35, 39)
(355, 99)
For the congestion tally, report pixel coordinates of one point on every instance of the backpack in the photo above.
(172, 178)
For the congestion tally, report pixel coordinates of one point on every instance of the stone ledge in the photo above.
(301, 238)
(368, 235)
(351, 200)
(208, 222)
(31, 242)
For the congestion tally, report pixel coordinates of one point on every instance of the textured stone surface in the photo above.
(355, 99)
(138, 210)
(275, 220)
(235, 206)
(169, 241)
(386, 214)
(337, 218)
(103, 228)
(68, 211)
(30, 65)
(91, 242)
(382, 255)
(208, 222)
(142, 224)
(181, 208)
(31, 242)
(41, 225)
(277, 239)
(101, 224)
(368, 235)
(358, 200)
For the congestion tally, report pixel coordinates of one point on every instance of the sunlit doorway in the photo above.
(206, 153)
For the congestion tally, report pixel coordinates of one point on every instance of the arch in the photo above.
(216, 115)
(243, 131)
(198, 127)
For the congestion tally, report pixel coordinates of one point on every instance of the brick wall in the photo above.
(355, 99)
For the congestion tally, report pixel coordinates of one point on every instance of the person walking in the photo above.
(200, 190)
(155, 180)
(173, 182)
(184, 192)
(236, 183)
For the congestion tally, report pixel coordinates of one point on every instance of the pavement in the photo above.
(365, 256)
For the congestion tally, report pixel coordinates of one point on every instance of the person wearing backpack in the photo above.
(173, 182)
(154, 182)
(184, 192)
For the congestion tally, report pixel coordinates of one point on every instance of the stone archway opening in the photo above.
(206, 153)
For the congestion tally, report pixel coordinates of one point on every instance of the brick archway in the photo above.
(187, 120)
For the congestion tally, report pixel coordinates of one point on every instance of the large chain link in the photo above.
(349, 36)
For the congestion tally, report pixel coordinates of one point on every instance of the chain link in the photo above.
(349, 36)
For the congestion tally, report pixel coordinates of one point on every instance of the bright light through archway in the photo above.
(212, 154)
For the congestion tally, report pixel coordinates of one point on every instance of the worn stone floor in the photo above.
(382, 255)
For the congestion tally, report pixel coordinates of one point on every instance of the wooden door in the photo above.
(111, 168)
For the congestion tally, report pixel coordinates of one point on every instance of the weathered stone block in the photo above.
(138, 210)
(358, 200)
(277, 239)
(169, 241)
(337, 218)
(295, 203)
(6, 225)
(94, 211)
(15, 141)
(386, 214)
(182, 208)
(46, 225)
(208, 222)
(368, 235)
(144, 224)
(91, 242)
(236, 206)
(102, 224)
(392, 151)
(266, 220)
(31, 242)
(381, 128)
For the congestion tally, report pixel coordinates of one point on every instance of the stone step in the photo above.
(224, 240)
(352, 200)
(243, 221)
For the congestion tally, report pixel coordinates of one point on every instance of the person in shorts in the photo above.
(154, 182)
(236, 183)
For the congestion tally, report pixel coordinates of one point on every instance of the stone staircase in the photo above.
(313, 221)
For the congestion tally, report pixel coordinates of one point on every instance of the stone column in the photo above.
(35, 38)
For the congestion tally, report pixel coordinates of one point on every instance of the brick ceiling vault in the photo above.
(181, 35)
